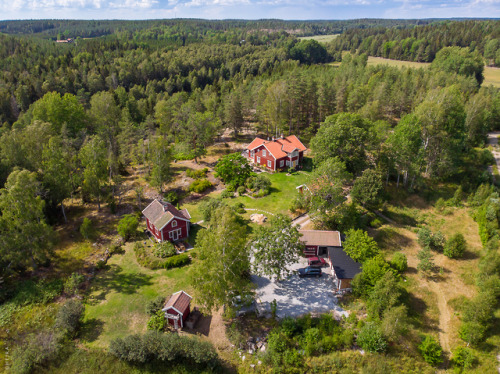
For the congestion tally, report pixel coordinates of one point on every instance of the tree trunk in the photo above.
(63, 212)
(397, 183)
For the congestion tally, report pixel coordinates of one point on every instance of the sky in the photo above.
(246, 9)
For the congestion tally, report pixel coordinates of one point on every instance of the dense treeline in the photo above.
(87, 29)
(421, 43)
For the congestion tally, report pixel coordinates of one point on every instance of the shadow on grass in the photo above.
(114, 279)
(402, 217)
(391, 239)
(416, 309)
(91, 330)
(202, 326)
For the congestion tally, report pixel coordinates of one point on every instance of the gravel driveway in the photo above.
(296, 296)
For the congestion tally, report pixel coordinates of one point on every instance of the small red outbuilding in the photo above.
(166, 222)
(177, 309)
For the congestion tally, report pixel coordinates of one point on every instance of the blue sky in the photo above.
(246, 9)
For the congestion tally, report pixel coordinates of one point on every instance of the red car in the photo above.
(316, 262)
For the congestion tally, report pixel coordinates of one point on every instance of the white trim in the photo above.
(271, 153)
(264, 152)
(340, 239)
(177, 217)
(269, 164)
(191, 297)
(171, 307)
(174, 223)
(282, 163)
(251, 149)
(258, 159)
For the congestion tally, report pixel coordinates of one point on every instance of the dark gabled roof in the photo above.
(161, 213)
(178, 301)
(344, 266)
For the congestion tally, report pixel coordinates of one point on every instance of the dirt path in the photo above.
(444, 316)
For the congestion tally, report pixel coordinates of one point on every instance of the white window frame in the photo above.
(174, 223)
(252, 153)
(263, 153)
(282, 162)
(258, 159)
(287, 162)
(269, 164)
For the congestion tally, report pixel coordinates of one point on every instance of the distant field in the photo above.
(491, 75)
(320, 38)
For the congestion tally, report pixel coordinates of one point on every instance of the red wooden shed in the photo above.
(177, 309)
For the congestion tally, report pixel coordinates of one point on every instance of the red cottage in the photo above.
(177, 309)
(166, 222)
(317, 242)
(278, 154)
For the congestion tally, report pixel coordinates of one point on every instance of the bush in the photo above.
(208, 206)
(427, 239)
(426, 263)
(241, 190)
(87, 229)
(72, 283)
(164, 250)
(370, 338)
(259, 182)
(430, 350)
(36, 351)
(157, 322)
(463, 358)
(172, 197)
(127, 226)
(239, 208)
(152, 262)
(165, 348)
(455, 246)
(226, 194)
(200, 185)
(153, 306)
(399, 262)
(359, 246)
(69, 317)
(196, 174)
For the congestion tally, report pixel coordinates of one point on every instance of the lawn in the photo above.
(116, 303)
(320, 38)
(283, 191)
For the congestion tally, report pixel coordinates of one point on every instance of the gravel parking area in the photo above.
(296, 296)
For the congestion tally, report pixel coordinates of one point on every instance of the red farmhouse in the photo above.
(166, 222)
(281, 153)
(177, 309)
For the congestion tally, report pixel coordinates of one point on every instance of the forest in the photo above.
(399, 160)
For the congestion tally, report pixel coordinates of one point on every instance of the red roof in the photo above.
(179, 301)
(279, 147)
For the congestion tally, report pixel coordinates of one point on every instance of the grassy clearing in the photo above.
(491, 77)
(116, 302)
(283, 191)
(320, 38)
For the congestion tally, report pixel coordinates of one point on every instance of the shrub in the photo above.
(370, 338)
(154, 346)
(153, 306)
(157, 322)
(440, 204)
(172, 197)
(399, 262)
(226, 194)
(261, 193)
(259, 182)
(152, 262)
(36, 351)
(241, 190)
(239, 208)
(87, 229)
(200, 185)
(164, 250)
(208, 206)
(72, 283)
(69, 317)
(430, 350)
(176, 261)
(426, 263)
(359, 246)
(196, 174)
(376, 223)
(427, 239)
(463, 358)
(455, 246)
(472, 332)
(127, 226)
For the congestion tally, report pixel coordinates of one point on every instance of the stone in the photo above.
(243, 358)
(259, 362)
(263, 348)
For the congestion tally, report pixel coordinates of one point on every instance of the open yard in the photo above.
(117, 299)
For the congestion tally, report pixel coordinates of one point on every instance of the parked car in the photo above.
(310, 272)
(316, 262)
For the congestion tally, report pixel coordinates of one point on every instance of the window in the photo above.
(269, 164)
(281, 163)
(287, 162)
(252, 153)
(174, 223)
(258, 159)
(264, 153)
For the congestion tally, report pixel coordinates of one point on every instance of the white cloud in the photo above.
(75, 4)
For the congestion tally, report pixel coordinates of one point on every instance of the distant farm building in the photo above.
(166, 222)
(177, 309)
(69, 40)
(276, 154)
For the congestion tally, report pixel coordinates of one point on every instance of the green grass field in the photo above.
(283, 191)
(116, 303)
(320, 38)
(491, 75)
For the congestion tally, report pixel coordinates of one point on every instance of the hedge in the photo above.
(152, 262)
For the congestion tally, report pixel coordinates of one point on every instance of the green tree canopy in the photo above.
(461, 61)
(367, 189)
(360, 246)
(233, 169)
(275, 247)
